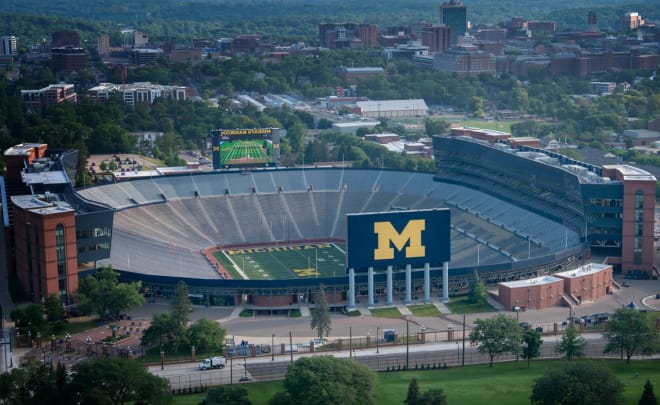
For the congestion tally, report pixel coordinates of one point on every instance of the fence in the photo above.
(439, 359)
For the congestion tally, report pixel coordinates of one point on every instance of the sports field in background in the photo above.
(248, 152)
(285, 261)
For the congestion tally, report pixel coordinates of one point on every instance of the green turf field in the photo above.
(245, 152)
(284, 261)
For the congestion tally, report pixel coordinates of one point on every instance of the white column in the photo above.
(408, 299)
(370, 287)
(427, 282)
(445, 282)
(390, 286)
(351, 288)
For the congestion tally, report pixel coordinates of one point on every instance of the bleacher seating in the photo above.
(197, 213)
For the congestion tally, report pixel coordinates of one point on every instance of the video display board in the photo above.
(398, 238)
(252, 147)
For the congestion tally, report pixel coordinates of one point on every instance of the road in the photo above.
(429, 355)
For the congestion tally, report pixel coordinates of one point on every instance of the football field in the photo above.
(275, 262)
(245, 152)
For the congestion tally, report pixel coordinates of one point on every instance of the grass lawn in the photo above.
(505, 383)
(424, 310)
(391, 312)
(504, 126)
(258, 393)
(460, 305)
(74, 327)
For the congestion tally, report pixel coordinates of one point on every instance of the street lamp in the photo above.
(377, 334)
(272, 347)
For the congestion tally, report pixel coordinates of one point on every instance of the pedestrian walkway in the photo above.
(304, 311)
(404, 310)
(652, 302)
(235, 314)
(492, 301)
(442, 307)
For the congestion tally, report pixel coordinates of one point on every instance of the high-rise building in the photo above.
(454, 14)
(465, 60)
(437, 38)
(349, 35)
(68, 58)
(631, 21)
(592, 21)
(103, 44)
(8, 46)
(65, 38)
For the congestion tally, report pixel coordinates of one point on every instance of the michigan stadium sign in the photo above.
(398, 238)
(249, 147)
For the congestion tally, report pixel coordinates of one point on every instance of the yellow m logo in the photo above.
(387, 236)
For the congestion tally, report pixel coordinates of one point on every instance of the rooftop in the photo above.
(38, 203)
(22, 149)
(531, 282)
(587, 269)
(631, 172)
(389, 105)
(44, 177)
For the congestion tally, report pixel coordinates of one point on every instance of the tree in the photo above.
(433, 396)
(160, 331)
(181, 306)
(496, 336)
(478, 293)
(33, 383)
(103, 294)
(206, 334)
(117, 381)
(578, 383)
(435, 127)
(327, 380)
(226, 394)
(630, 332)
(648, 397)
(179, 313)
(413, 396)
(28, 319)
(571, 344)
(321, 320)
(53, 308)
(532, 349)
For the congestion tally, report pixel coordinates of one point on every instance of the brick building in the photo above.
(534, 293)
(586, 283)
(437, 37)
(46, 257)
(36, 100)
(50, 233)
(68, 58)
(349, 35)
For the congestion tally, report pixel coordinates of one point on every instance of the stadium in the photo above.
(164, 227)
(268, 238)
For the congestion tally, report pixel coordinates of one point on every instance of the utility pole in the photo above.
(463, 359)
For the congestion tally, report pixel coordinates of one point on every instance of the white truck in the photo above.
(213, 362)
